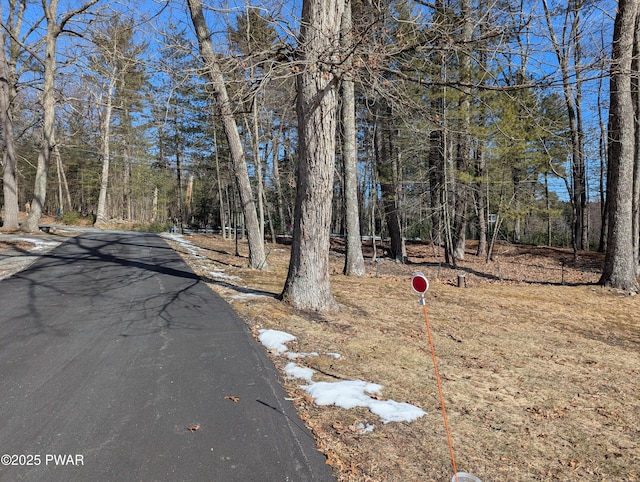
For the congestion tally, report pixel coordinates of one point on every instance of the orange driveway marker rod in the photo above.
(420, 285)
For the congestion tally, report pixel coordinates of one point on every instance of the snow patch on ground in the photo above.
(345, 394)
(275, 340)
(296, 356)
(292, 370)
(39, 244)
(219, 275)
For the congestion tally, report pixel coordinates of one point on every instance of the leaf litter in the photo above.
(539, 365)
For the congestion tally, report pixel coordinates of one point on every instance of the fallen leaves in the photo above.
(340, 428)
(193, 428)
(232, 398)
(548, 368)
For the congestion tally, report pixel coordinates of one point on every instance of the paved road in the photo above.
(110, 348)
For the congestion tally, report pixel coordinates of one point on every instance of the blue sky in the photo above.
(154, 15)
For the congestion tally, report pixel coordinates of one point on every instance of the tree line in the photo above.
(440, 120)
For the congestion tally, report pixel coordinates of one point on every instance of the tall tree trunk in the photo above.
(154, 205)
(65, 184)
(308, 285)
(54, 29)
(635, 93)
(516, 176)
(436, 184)
(481, 201)
(387, 175)
(101, 215)
(9, 163)
(602, 243)
(354, 261)
(177, 147)
(277, 182)
(48, 123)
(222, 210)
(56, 154)
(126, 188)
(257, 258)
(258, 163)
(462, 139)
(619, 269)
(187, 200)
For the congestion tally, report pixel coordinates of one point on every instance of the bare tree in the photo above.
(354, 261)
(105, 125)
(55, 28)
(568, 49)
(620, 270)
(462, 155)
(257, 258)
(7, 94)
(307, 285)
(116, 64)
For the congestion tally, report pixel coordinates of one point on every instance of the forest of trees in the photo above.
(442, 120)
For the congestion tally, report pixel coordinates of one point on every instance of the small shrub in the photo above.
(155, 227)
(69, 217)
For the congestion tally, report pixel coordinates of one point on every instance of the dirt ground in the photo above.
(540, 367)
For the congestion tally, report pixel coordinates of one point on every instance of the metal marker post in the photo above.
(420, 285)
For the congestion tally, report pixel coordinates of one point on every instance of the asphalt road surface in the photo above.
(111, 348)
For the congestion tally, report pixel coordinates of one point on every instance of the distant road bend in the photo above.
(118, 363)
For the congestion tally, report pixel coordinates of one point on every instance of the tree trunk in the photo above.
(101, 215)
(54, 29)
(9, 164)
(127, 208)
(177, 145)
(354, 261)
(436, 184)
(516, 176)
(635, 92)
(308, 285)
(602, 243)
(619, 269)
(222, 210)
(154, 205)
(481, 202)
(257, 163)
(277, 183)
(387, 176)
(48, 132)
(462, 140)
(257, 257)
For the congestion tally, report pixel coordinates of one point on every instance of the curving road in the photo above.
(111, 348)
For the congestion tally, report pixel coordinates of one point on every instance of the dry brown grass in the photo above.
(541, 380)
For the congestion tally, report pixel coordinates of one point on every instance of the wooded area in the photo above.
(437, 120)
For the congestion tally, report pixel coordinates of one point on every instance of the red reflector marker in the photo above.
(420, 283)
